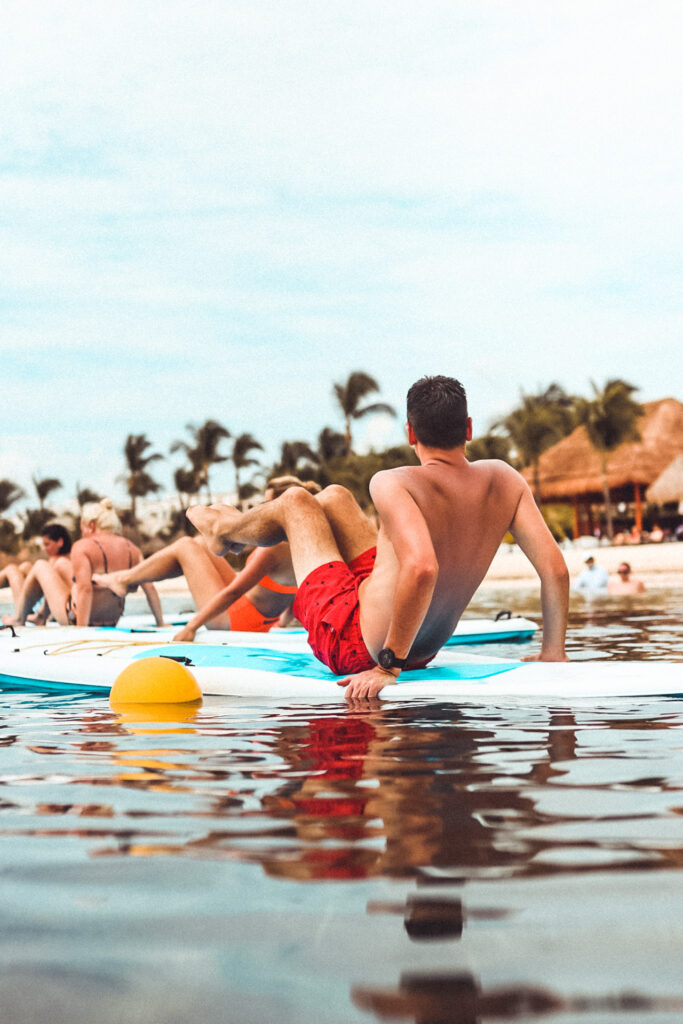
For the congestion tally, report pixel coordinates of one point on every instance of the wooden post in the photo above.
(639, 507)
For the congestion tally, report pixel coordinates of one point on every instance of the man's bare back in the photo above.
(467, 508)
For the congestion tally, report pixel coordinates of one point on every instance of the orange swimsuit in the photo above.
(246, 618)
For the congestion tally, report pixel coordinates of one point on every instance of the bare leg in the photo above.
(13, 576)
(188, 556)
(296, 516)
(353, 532)
(43, 579)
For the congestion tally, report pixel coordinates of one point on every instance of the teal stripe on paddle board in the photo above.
(288, 663)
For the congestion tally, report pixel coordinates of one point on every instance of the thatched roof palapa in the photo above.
(669, 485)
(572, 467)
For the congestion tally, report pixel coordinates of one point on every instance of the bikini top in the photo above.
(104, 557)
(268, 584)
(277, 588)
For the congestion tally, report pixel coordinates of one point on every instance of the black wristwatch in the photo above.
(387, 659)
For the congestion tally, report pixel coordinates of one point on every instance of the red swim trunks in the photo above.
(327, 605)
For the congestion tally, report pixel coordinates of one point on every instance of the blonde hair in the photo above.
(279, 484)
(103, 515)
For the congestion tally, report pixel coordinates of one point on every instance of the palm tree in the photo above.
(203, 451)
(9, 493)
(241, 459)
(185, 484)
(292, 455)
(539, 422)
(350, 394)
(138, 481)
(85, 495)
(489, 446)
(610, 419)
(331, 445)
(44, 488)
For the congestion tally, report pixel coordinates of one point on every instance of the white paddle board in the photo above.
(505, 627)
(281, 667)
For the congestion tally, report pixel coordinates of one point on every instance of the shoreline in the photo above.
(658, 565)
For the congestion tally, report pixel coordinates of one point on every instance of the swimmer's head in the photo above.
(437, 412)
(277, 485)
(56, 532)
(103, 515)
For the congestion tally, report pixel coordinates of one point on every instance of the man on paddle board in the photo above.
(376, 601)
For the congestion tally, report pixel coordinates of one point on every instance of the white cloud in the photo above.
(219, 210)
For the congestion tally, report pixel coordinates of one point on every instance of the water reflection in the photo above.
(432, 792)
(457, 998)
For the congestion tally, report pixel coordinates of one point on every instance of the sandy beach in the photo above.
(658, 565)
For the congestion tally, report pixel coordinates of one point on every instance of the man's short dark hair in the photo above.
(437, 412)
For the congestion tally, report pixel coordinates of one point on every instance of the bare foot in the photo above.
(38, 619)
(11, 620)
(214, 522)
(112, 581)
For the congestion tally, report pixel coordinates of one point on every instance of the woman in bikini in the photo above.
(26, 579)
(80, 601)
(251, 600)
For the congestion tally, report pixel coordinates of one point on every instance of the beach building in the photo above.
(571, 471)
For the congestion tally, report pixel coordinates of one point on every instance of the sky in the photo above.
(217, 209)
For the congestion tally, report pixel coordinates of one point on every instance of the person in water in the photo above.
(81, 601)
(625, 583)
(25, 579)
(252, 600)
(592, 579)
(377, 601)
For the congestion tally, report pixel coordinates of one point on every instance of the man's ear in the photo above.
(412, 440)
(468, 433)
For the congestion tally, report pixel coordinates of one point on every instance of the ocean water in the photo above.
(424, 863)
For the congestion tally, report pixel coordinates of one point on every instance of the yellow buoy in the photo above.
(155, 681)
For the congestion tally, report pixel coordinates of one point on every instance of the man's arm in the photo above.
(536, 541)
(405, 526)
(259, 565)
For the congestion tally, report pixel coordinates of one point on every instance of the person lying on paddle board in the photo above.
(376, 602)
(252, 600)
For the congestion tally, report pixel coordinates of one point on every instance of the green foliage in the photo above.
(9, 538)
(34, 521)
(356, 471)
(203, 452)
(45, 487)
(85, 495)
(610, 419)
(9, 493)
(611, 416)
(560, 520)
(490, 446)
(331, 445)
(297, 458)
(139, 482)
(538, 423)
(350, 394)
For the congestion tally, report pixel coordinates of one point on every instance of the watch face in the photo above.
(386, 658)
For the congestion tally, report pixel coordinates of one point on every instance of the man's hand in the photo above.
(366, 685)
